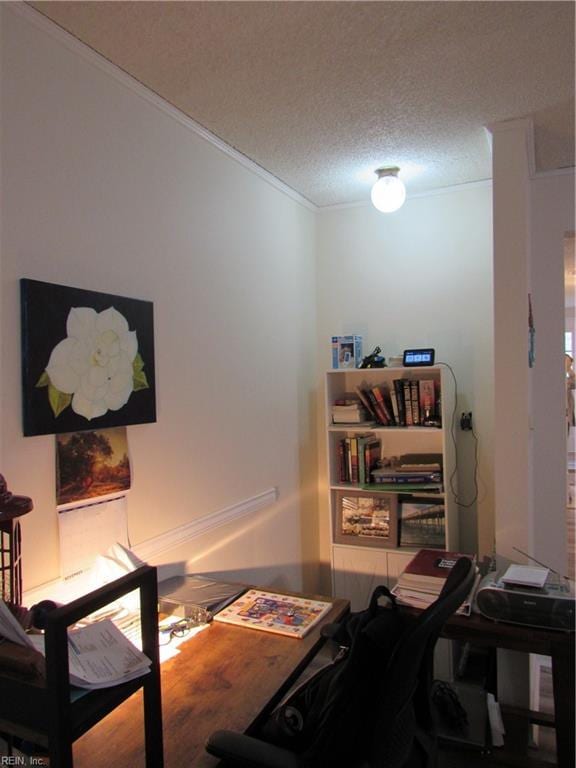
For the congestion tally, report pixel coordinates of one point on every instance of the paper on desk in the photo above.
(100, 656)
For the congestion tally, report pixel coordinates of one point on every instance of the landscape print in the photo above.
(422, 524)
(91, 464)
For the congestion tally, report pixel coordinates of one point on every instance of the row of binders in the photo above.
(406, 403)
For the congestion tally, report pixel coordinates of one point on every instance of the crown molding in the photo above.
(100, 62)
(413, 195)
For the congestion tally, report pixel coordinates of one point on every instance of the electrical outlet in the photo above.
(466, 422)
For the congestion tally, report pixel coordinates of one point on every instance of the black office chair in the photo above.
(402, 733)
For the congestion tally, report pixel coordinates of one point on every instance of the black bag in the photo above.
(329, 718)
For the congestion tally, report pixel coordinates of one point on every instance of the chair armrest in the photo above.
(241, 750)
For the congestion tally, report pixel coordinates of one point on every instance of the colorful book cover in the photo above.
(271, 612)
(427, 400)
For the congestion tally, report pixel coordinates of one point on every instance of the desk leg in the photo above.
(60, 751)
(563, 683)
(153, 734)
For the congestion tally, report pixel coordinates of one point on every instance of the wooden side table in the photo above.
(557, 644)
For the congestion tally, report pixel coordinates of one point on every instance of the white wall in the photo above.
(103, 190)
(552, 203)
(513, 439)
(420, 277)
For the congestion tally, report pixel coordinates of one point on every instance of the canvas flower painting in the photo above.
(96, 368)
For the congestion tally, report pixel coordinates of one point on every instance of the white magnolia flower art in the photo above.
(96, 367)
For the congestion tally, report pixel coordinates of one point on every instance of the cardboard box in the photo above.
(346, 351)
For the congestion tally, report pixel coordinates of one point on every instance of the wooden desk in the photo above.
(224, 677)
(558, 645)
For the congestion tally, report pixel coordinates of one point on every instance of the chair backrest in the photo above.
(404, 697)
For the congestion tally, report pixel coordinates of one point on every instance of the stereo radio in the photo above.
(551, 607)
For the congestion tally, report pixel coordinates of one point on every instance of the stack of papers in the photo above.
(525, 576)
(99, 655)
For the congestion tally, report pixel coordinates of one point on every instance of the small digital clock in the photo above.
(414, 357)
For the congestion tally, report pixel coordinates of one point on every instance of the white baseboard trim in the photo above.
(64, 590)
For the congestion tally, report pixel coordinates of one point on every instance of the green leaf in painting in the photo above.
(137, 363)
(58, 400)
(140, 381)
(43, 381)
(138, 376)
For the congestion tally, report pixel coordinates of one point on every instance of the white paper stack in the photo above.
(526, 576)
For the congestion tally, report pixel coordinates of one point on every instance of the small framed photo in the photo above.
(366, 519)
(422, 523)
(346, 351)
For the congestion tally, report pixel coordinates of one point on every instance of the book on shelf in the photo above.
(384, 405)
(368, 456)
(395, 408)
(407, 392)
(415, 402)
(399, 391)
(427, 393)
(357, 456)
(430, 461)
(272, 612)
(343, 476)
(425, 575)
(404, 487)
(405, 478)
(409, 470)
(352, 443)
(412, 470)
(377, 408)
(366, 402)
(349, 412)
(99, 654)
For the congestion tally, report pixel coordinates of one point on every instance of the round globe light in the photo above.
(388, 193)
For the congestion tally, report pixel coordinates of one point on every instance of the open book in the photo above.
(99, 655)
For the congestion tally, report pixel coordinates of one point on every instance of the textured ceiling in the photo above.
(320, 94)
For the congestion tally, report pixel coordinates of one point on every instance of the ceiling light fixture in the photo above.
(388, 193)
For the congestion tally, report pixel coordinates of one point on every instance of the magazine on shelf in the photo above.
(272, 612)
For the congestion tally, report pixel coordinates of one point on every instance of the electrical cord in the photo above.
(468, 504)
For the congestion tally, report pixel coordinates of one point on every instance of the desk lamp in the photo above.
(11, 508)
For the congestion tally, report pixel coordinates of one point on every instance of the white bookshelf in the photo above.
(361, 563)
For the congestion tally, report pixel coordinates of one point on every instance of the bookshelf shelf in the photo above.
(375, 529)
(370, 426)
